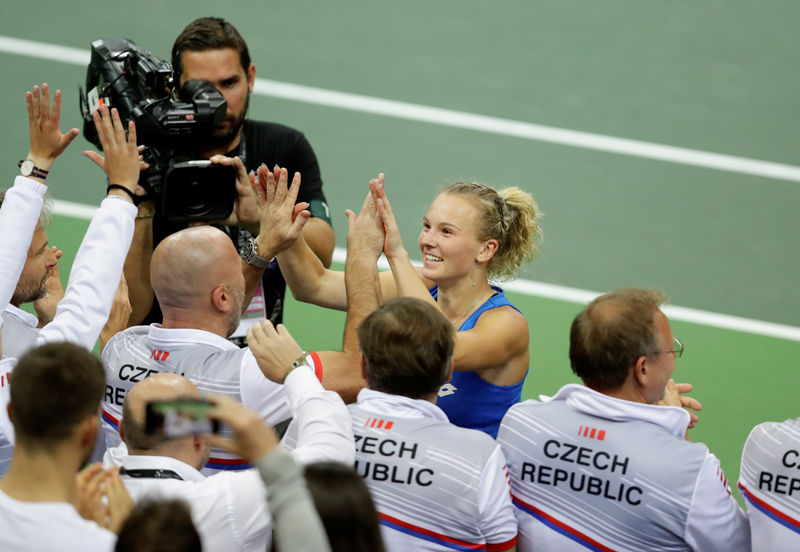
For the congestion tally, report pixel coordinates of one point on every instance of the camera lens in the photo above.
(199, 196)
(203, 192)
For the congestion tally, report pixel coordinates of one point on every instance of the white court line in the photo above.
(584, 296)
(460, 119)
(75, 210)
(551, 291)
(498, 126)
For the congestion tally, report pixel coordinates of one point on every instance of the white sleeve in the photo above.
(94, 277)
(321, 421)
(716, 522)
(262, 395)
(246, 508)
(498, 521)
(19, 217)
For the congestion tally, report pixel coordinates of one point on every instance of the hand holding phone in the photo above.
(179, 418)
(252, 438)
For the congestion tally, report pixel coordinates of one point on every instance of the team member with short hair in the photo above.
(52, 444)
(198, 277)
(605, 465)
(436, 486)
(229, 509)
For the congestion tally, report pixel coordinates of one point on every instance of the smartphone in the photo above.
(179, 418)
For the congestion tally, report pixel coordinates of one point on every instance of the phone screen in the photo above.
(179, 418)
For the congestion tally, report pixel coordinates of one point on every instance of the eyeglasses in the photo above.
(677, 348)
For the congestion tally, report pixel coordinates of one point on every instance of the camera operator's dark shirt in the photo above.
(271, 144)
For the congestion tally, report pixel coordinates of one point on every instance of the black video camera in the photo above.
(141, 87)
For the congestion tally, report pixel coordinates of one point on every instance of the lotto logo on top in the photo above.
(378, 423)
(723, 479)
(159, 355)
(592, 433)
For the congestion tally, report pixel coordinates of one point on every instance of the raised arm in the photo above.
(281, 219)
(98, 265)
(318, 233)
(46, 139)
(319, 236)
(407, 279)
(311, 282)
(137, 264)
(119, 315)
(265, 202)
(309, 279)
(321, 420)
(22, 204)
(19, 217)
(341, 370)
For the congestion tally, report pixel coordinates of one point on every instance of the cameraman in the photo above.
(211, 49)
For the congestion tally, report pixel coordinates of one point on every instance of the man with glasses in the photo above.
(605, 465)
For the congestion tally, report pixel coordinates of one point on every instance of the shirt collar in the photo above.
(174, 336)
(405, 407)
(588, 401)
(24, 317)
(119, 456)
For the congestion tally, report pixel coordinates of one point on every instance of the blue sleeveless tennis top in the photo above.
(468, 399)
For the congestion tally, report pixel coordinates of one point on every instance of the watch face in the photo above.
(26, 168)
(247, 250)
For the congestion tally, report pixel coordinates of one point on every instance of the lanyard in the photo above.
(150, 474)
(243, 148)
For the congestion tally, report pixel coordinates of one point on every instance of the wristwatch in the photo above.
(302, 360)
(27, 168)
(249, 253)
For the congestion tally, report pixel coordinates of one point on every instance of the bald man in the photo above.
(192, 450)
(229, 509)
(202, 283)
(197, 277)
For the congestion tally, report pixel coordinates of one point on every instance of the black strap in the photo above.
(137, 199)
(150, 474)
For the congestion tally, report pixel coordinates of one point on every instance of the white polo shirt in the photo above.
(229, 509)
(769, 482)
(40, 526)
